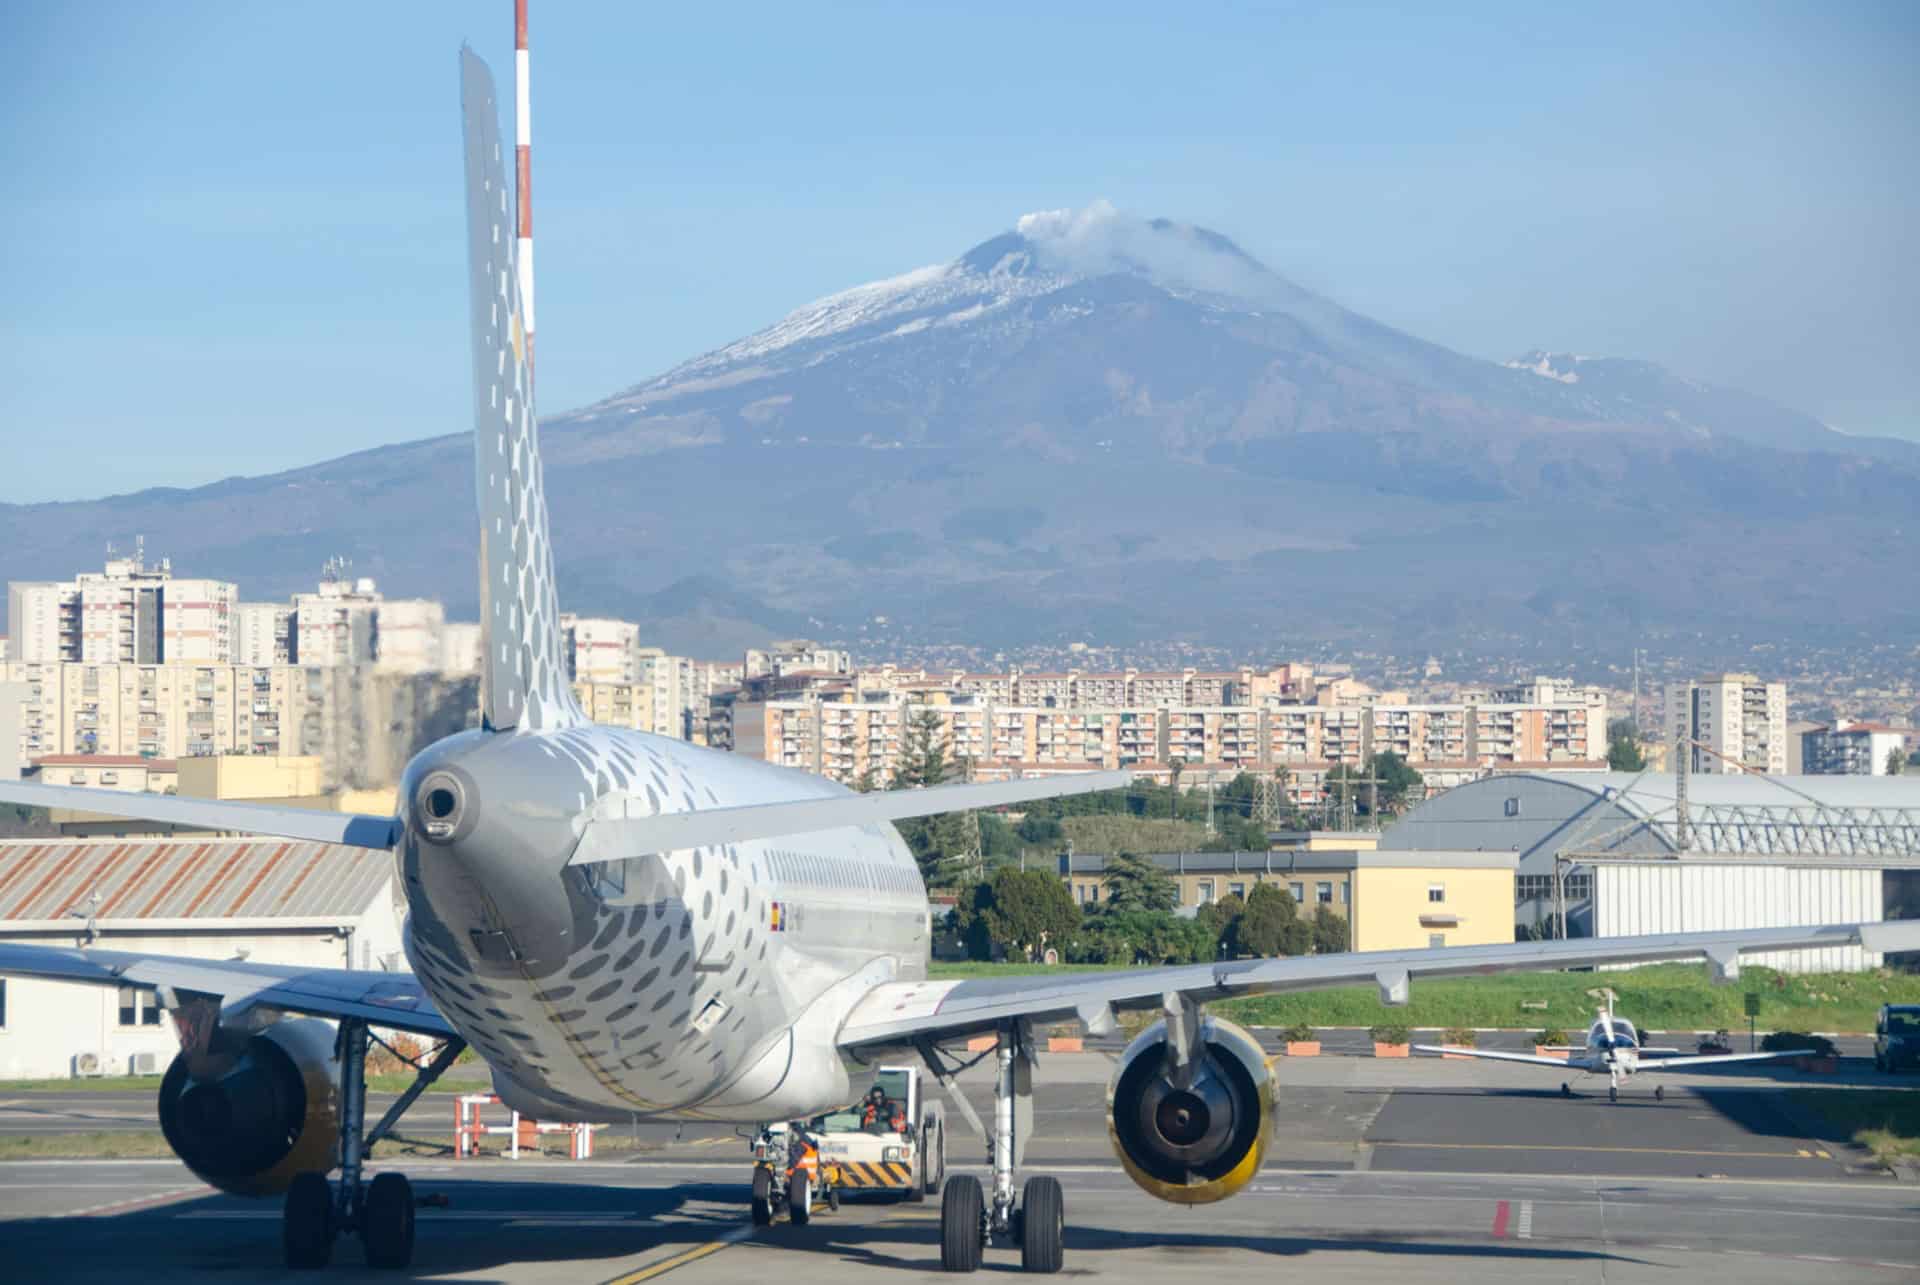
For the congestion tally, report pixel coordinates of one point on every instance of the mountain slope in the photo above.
(1094, 426)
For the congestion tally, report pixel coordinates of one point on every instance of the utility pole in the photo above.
(1682, 819)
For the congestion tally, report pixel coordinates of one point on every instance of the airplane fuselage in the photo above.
(705, 983)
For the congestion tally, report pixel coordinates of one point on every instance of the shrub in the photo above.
(1390, 1033)
(1551, 1038)
(1299, 1033)
(1784, 1041)
(1460, 1037)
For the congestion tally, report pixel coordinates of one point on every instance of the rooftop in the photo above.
(175, 879)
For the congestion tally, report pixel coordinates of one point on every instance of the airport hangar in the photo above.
(271, 901)
(1756, 852)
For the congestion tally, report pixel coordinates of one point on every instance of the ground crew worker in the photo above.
(882, 1114)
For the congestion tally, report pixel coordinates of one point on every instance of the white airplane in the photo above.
(629, 927)
(1614, 1050)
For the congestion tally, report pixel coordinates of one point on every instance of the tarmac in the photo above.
(1426, 1169)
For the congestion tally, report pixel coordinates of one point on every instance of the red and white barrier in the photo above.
(469, 1128)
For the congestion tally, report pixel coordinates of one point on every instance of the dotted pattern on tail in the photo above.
(523, 675)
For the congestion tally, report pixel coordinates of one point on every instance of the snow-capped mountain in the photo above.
(1092, 426)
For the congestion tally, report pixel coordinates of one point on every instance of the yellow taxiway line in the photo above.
(653, 1271)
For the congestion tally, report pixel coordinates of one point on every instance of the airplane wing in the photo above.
(1717, 1059)
(899, 1012)
(394, 1000)
(1577, 1063)
(210, 814)
(616, 835)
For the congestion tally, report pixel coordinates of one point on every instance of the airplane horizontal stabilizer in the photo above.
(628, 836)
(211, 814)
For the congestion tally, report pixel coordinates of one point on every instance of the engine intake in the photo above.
(1200, 1141)
(268, 1113)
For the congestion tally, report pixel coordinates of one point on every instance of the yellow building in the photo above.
(1393, 900)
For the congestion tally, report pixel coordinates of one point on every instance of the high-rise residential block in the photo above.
(1730, 723)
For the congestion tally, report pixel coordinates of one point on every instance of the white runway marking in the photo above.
(1525, 1230)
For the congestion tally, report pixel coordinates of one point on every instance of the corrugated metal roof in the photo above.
(188, 878)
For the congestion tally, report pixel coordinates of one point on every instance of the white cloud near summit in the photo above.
(1100, 239)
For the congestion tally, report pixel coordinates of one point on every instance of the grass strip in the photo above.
(1663, 997)
(1884, 1121)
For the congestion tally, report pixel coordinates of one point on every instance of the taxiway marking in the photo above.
(655, 1270)
(1531, 1146)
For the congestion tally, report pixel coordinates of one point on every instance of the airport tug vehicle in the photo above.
(902, 1152)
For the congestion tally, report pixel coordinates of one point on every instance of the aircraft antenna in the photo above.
(523, 170)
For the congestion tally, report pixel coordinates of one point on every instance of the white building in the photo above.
(1851, 749)
(263, 633)
(460, 648)
(1740, 720)
(312, 904)
(601, 650)
(407, 635)
(127, 613)
(1754, 852)
(334, 625)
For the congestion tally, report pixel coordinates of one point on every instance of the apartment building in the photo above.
(334, 625)
(600, 650)
(263, 633)
(460, 648)
(1735, 723)
(127, 612)
(795, 655)
(1850, 749)
(849, 732)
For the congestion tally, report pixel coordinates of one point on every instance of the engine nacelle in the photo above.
(262, 1114)
(1200, 1143)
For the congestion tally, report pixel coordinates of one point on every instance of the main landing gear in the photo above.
(381, 1211)
(969, 1219)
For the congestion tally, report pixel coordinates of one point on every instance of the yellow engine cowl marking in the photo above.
(1206, 1193)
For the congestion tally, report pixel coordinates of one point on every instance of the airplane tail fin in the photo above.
(523, 676)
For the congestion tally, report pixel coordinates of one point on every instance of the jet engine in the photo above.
(1192, 1133)
(256, 1109)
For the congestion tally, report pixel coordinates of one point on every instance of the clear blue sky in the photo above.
(235, 239)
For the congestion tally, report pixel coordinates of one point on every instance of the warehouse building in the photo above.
(1751, 852)
(1391, 900)
(269, 901)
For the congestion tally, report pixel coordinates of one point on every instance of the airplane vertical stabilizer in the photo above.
(523, 675)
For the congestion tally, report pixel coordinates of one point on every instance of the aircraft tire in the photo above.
(1613, 1093)
(922, 1181)
(306, 1222)
(937, 1162)
(762, 1198)
(1659, 1093)
(1043, 1225)
(961, 1210)
(800, 1200)
(386, 1221)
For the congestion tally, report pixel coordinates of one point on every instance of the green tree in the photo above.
(1110, 936)
(1329, 931)
(1624, 753)
(1271, 924)
(1138, 883)
(1896, 761)
(939, 843)
(1221, 920)
(1385, 776)
(1023, 912)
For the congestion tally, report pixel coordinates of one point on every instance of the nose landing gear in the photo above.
(382, 1210)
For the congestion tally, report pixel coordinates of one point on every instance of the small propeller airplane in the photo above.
(1615, 1051)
